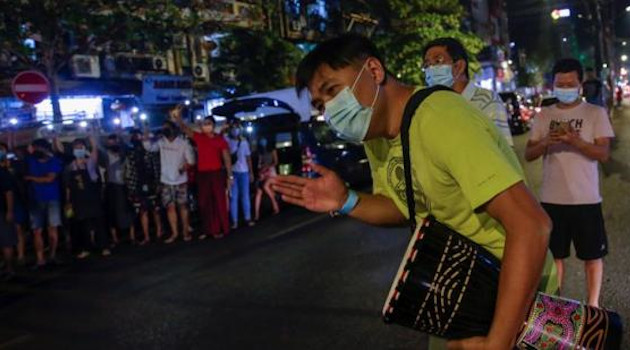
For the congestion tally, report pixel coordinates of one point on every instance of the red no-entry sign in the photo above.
(30, 86)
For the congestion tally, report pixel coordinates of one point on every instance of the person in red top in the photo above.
(213, 154)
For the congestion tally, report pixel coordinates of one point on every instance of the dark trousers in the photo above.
(82, 230)
(213, 202)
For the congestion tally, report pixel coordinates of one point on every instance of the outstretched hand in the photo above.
(323, 194)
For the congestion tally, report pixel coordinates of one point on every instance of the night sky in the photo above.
(533, 30)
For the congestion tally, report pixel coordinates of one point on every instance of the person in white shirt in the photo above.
(446, 63)
(243, 175)
(572, 136)
(176, 155)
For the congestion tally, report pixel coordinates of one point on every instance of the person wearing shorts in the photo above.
(581, 224)
(174, 195)
(142, 175)
(572, 136)
(176, 155)
(45, 188)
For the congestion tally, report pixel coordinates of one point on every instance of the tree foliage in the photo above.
(405, 26)
(62, 28)
(255, 61)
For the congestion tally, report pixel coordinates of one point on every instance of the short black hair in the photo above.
(568, 65)
(79, 141)
(113, 137)
(170, 124)
(135, 131)
(338, 53)
(210, 118)
(41, 143)
(4, 145)
(454, 47)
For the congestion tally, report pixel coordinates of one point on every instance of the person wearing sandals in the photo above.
(176, 155)
(214, 154)
(142, 176)
(267, 163)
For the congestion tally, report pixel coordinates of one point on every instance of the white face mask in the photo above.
(347, 116)
(566, 95)
(440, 75)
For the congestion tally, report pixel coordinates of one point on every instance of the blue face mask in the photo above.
(440, 74)
(79, 152)
(347, 116)
(566, 95)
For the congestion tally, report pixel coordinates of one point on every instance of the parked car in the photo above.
(346, 158)
(518, 124)
(297, 142)
(272, 119)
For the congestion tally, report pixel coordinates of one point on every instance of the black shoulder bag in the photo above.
(235, 153)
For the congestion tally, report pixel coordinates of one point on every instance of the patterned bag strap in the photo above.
(410, 110)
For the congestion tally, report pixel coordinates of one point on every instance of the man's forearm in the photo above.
(592, 151)
(521, 268)
(249, 165)
(9, 198)
(227, 161)
(534, 150)
(377, 210)
(187, 130)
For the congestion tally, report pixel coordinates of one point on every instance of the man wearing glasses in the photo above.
(446, 63)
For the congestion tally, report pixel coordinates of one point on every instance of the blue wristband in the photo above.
(351, 203)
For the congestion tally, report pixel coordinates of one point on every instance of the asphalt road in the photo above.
(296, 281)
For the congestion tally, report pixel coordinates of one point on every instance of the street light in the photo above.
(624, 58)
(564, 40)
(627, 8)
(13, 121)
(143, 116)
(560, 13)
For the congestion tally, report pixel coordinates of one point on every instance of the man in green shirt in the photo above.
(464, 173)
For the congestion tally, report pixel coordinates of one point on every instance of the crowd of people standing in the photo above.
(98, 190)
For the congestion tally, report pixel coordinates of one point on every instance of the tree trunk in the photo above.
(54, 95)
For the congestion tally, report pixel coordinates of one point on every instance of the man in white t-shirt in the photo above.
(446, 63)
(572, 136)
(176, 155)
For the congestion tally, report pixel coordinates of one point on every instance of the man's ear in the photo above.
(376, 70)
(459, 69)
